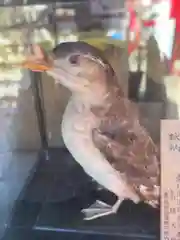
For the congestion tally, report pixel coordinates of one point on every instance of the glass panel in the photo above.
(16, 98)
(19, 132)
(130, 37)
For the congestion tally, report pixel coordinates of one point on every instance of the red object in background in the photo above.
(175, 7)
(149, 23)
(133, 24)
(175, 12)
(132, 17)
(176, 50)
(133, 27)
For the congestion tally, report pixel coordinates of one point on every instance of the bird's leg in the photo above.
(100, 209)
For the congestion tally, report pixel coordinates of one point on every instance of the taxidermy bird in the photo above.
(100, 126)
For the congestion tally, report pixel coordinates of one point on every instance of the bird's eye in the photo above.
(74, 59)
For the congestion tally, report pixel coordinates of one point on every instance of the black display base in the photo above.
(49, 207)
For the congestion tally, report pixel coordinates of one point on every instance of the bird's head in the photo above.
(77, 65)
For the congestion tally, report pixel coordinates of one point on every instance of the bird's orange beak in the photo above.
(38, 61)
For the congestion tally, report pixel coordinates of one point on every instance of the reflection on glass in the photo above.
(47, 25)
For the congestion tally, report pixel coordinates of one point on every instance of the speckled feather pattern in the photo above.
(128, 146)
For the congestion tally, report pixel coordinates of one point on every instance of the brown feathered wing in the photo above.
(129, 148)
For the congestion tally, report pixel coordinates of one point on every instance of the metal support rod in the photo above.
(38, 99)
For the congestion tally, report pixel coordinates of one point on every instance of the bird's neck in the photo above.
(98, 95)
(90, 99)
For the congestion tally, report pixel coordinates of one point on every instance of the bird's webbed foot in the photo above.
(100, 209)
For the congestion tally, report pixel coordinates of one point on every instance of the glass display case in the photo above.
(43, 188)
